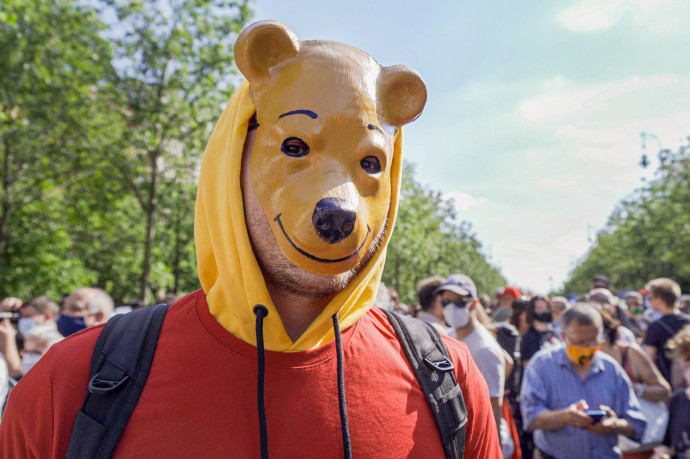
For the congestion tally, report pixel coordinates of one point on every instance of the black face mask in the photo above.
(544, 316)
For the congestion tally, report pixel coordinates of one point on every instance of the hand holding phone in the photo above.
(596, 415)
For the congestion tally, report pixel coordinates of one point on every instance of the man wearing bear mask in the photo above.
(297, 199)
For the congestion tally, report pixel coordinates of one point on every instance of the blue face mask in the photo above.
(69, 325)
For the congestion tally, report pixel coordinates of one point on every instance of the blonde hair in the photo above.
(679, 346)
(666, 289)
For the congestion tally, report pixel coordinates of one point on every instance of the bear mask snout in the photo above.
(332, 220)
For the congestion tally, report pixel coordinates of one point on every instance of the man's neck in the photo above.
(540, 326)
(670, 311)
(466, 330)
(296, 311)
(582, 370)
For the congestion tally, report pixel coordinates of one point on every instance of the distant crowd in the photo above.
(599, 375)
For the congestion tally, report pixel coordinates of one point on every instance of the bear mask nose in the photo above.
(332, 221)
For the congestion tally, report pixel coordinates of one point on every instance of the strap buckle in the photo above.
(102, 386)
(443, 366)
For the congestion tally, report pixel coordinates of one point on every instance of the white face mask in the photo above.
(24, 325)
(29, 359)
(456, 316)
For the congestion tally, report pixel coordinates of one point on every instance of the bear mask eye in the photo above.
(294, 147)
(371, 165)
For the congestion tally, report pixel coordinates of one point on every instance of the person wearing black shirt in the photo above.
(539, 318)
(663, 297)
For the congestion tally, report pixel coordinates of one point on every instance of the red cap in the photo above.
(513, 292)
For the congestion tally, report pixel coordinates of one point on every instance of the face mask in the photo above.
(581, 355)
(29, 359)
(544, 316)
(25, 324)
(456, 316)
(69, 325)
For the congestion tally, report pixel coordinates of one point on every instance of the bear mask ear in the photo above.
(402, 94)
(262, 46)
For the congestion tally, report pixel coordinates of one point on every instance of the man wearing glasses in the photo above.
(575, 399)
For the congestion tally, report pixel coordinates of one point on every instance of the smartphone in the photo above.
(596, 415)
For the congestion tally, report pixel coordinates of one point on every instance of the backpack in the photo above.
(124, 353)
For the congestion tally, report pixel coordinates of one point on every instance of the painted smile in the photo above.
(313, 257)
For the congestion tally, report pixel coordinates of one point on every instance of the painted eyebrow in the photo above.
(371, 127)
(309, 113)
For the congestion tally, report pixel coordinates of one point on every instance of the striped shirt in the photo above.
(551, 383)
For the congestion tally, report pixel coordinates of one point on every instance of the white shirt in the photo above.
(488, 355)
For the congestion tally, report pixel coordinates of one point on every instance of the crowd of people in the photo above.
(595, 375)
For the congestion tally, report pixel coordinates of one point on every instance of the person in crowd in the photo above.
(431, 309)
(4, 384)
(605, 300)
(644, 375)
(39, 311)
(505, 307)
(485, 301)
(38, 341)
(635, 304)
(677, 438)
(498, 293)
(601, 281)
(685, 304)
(558, 306)
(561, 382)
(519, 317)
(539, 316)
(459, 300)
(663, 297)
(86, 307)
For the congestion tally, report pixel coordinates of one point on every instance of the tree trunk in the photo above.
(176, 258)
(6, 204)
(152, 207)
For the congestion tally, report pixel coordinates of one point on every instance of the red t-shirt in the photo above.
(200, 398)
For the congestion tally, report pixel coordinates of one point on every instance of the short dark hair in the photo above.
(531, 306)
(425, 290)
(600, 278)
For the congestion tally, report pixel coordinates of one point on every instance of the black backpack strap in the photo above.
(119, 368)
(433, 368)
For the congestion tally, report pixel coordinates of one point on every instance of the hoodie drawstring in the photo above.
(261, 311)
(347, 446)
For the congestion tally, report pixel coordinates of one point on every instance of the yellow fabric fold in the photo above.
(228, 270)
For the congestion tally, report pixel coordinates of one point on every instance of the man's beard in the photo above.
(282, 273)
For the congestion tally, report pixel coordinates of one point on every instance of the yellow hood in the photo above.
(228, 270)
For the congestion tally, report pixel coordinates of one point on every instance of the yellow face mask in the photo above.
(581, 355)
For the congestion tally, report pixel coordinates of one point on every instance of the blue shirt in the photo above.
(551, 383)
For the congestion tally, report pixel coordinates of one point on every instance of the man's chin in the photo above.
(282, 273)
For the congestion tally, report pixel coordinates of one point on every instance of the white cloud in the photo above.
(464, 201)
(572, 101)
(596, 15)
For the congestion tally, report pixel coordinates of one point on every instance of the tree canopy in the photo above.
(647, 235)
(105, 108)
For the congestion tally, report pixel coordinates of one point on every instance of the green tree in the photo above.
(647, 235)
(173, 63)
(429, 240)
(52, 63)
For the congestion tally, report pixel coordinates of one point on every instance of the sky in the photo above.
(535, 111)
